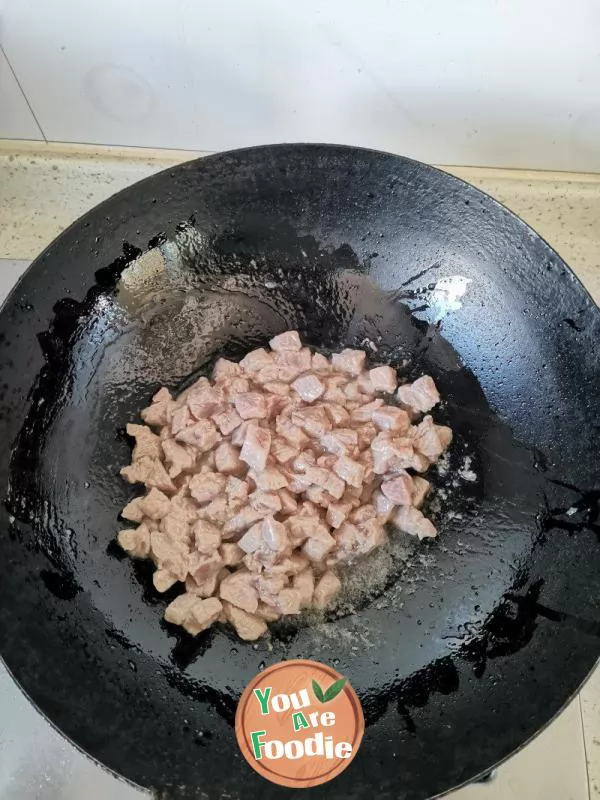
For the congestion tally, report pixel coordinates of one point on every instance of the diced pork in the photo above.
(399, 490)
(411, 520)
(286, 341)
(383, 379)
(256, 447)
(308, 387)
(420, 396)
(248, 626)
(326, 589)
(350, 361)
(260, 481)
(136, 541)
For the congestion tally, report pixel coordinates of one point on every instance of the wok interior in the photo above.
(442, 621)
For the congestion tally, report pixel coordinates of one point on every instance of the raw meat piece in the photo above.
(256, 447)
(326, 589)
(420, 396)
(248, 626)
(286, 341)
(350, 361)
(308, 387)
(411, 520)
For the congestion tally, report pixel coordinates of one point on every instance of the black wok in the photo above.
(466, 646)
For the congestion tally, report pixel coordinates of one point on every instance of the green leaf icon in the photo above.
(334, 690)
(318, 691)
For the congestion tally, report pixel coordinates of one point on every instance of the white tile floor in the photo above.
(44, 189)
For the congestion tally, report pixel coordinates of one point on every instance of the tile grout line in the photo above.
(14, 74)
(587, 772)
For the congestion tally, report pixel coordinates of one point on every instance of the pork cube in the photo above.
(135, 541)
(241, 521)
(204, 400)
(269, 480)
(293, 363)
(163, 580)
(224, 369)
(178, 457)
(202, 615)
(390, 418)
(250, 405)
(444, 435)
(169, 553)
(383, 506)
(202, 566)
(350, 471)
(217, 511)
(205, 588)
(289, 340)
(156, 413)
(227, 421)
(239, 590)
(326, 589)
(177, 611)
(282, 451)
(336, 413)
(155, 504)
(277, 387)
(207, 537)
(313, 420)
(206, 486)
(366, 434)
(318, 545)
(292, 433)
(304, 583)
(256, 360)
(349, 361)
(365, 412)
(288, 601)
(363, 513)
(267, 613)
(420, 396)
(364, 385)
(327, 480)
(427, 440)
(234, 386)
(326, 462)
(337, 514)
(203, 435)
(304, 460)
(340, 441)
(420, 489)
(133, 510)
(383, 379)
(373, 535)
(269, 586)
(176, 525)
(236, 491)
(308, 387)
(289, 504)
(256, 447)
(411, 520)
(399, 490)
(146, 442)
(228, 459)
(319, 496)
(265, 502)
(180, 419)
(319, 363)
(149, 471)
(247, 626)
(231, 553)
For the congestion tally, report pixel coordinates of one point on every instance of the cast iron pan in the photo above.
(462, 648)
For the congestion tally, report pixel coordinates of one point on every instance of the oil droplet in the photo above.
(262, 665)
(335, 662)
(132, 666)
(86, 485)
(233, 651)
